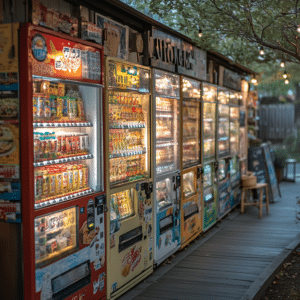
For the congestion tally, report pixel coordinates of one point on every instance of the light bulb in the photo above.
(200, 32)
(282, 64)
(284, 75)
(298, 28)
(261, 51)
(254, 80)
(286, 81)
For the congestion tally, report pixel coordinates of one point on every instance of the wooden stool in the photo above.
(247, 190)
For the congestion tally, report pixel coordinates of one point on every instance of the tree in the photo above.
(234, 28)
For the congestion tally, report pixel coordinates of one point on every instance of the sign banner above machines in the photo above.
(172, 54)
(230, 79)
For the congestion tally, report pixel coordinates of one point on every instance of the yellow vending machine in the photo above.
(128, 180)
(191, 198)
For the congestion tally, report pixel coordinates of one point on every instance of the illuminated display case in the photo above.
(121, 205)
(128, 97)
(234, 123)
(56, 234)
(191, 122)
(188, 184)
(163, 194)
(67, 141)
(167, 122)
(223, 123)
(209, 122)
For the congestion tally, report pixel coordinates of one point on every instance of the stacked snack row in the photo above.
(126, 116)
(50, 104)
(163, 104)
(124, 142)
(51, 145)
(59, 180)
(124, 99)
(122, 204)
(163, 128)
(126, 168)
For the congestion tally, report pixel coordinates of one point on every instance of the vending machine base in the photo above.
(209, 216)
(224, 200)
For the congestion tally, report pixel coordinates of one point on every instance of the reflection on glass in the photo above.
(167, 122)
(163, 193)
(207, 176)
(209, 93)
(166, 84)
(235, 97)
(222, 171)
(128, 123)
(121, 205)
(223, 128)
(233, 166)
(209, 121)
(223, 96)
(66, 142)
(190, 88)
(55, 234)
(191, 132)
(188, 184)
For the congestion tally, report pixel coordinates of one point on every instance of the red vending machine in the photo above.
(62, 167)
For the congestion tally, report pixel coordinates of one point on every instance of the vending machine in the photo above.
(223, 188)
(167, 180)
(191, 192)
(235, 193)
(209, 105)
(235, 181)
(223, 133)
(129, 184)
(62, 166)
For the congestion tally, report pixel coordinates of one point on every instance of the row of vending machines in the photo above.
(122, 165)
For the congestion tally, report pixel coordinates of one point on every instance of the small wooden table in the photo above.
(249, 190)
(289, 162)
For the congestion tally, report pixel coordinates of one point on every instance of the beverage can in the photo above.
(58, 182)
(85, 176)
(70, 178)
(80, 177)
(75, 178)
(65, 179)
(47, 107)
(53, 106)
(59, 107)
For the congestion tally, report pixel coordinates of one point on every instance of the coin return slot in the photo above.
(190, 211)
(165, 224)
(130, 238)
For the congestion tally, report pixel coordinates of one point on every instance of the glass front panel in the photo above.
(191, 88)
(207, 176)
(67, 141)
(188, 184)
(234, 130)
(167, 122)
(128, 98)
(222, 171)
(163, 193)
(209, 93)
(55, 234)
(209, 123)
(223, 130)
(234, 166)
(121, 205)
(223, 96)
(191, 132)
(234, 98)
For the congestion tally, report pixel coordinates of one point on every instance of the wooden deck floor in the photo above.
(227, 264)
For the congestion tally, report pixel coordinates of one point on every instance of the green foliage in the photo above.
(280, 155)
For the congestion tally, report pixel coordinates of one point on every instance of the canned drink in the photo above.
(46, 182)
(65, 180)
(59, 107)
(85, 176)
(53, 107)
(75, 178)
(63, 144)
(58, 182)
(86, 142)
(47, 107)
(52, 184)
(82, 143)
(80, 177)
(70, 178)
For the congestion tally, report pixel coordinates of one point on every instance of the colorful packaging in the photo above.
(59, 107)
(40, 108)
(47, 107)
(75, 178)
(63, 144)
(61, 89)
(52, 185)
(53, 145)
(82, 143)
(45, 87)
(38, 185)
(65, 106)
(80, 109)
(80, 177)
(65, 180)
(46, 182)
(35, 108)
(72, 108)
(53, 106)
(69, 143)
(85, 176)
(59, 144)
(70, 178)
(86, 142)
(58, 182)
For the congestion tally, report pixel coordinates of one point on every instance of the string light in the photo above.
(254, 80)
(200, 32)
(261, 51)
(284, 74)
(298, 28)
(286, 81)
(282, 64)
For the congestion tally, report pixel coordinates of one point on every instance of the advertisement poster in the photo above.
(116, 40)
(56, 57)
(9, 48)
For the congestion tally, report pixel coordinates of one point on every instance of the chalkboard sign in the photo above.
(260, 162)
(272, 179)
